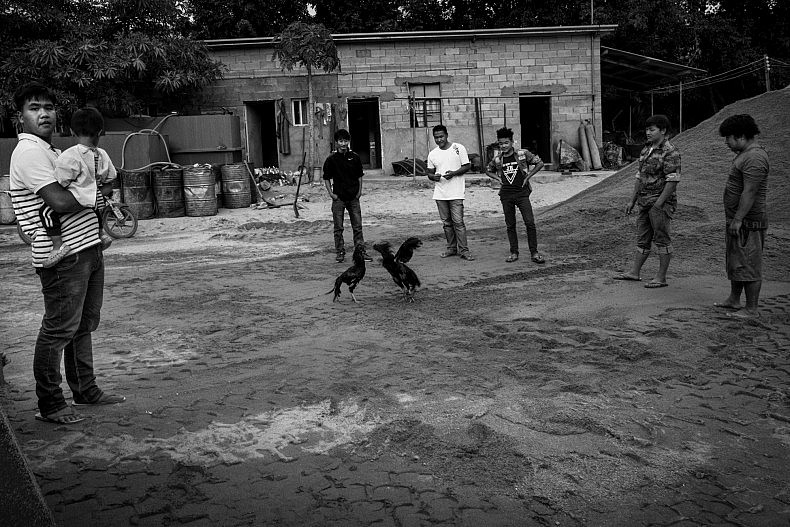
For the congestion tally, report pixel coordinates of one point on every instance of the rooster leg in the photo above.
(353, 297)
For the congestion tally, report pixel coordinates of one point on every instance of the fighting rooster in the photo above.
(403, 276)
(353, 275)
(407, 248)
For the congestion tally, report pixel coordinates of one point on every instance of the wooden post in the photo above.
(413, 120)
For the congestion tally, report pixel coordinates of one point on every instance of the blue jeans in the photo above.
(73, 293)
(509, 205)
(451, 211)
(354, 214)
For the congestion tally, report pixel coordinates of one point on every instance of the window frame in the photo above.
(299, 109)
(425, 111)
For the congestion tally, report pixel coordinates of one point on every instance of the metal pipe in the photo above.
(681, 105)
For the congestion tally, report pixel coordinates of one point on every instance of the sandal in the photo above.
(104, 399)
(53, 258)
(66, 416)
(512, 258)
(538, 259)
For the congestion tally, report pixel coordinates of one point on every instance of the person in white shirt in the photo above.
(84, 169)
(73, 289)
(447, 164)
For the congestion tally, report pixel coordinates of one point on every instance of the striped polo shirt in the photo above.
(32, 168)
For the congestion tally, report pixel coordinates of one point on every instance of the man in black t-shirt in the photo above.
(343, 179)
(513, 169)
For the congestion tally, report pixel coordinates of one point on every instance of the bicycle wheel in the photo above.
(25, 238)
(123, 225)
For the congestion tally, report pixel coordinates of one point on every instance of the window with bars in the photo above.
(299, 112)
(426, 107)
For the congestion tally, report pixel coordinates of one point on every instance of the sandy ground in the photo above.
(507, 394)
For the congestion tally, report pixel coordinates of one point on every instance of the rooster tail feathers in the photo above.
(412, 242)
(407, 248)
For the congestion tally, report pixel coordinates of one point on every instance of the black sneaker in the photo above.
(341, 257)
(366, 257)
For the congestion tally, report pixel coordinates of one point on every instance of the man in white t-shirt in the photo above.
(447, 164)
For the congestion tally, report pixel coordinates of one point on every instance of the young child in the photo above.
(82, 169)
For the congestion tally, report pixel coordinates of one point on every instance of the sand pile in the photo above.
(706, 162)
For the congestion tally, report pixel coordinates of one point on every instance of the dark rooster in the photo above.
(407, 248)
(352, 275)
(403, 276)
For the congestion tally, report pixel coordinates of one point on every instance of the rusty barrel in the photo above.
(137, 192)
(169, 192)
(6, 208)
(236, 185)
(200, 197)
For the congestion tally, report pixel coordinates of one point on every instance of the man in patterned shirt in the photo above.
(73, 289)
(513, 168)
(654, 192)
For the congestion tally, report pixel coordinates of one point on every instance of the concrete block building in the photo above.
(392, 88)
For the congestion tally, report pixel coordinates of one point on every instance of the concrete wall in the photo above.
(494, 69)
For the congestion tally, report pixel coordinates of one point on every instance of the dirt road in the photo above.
(507, 394)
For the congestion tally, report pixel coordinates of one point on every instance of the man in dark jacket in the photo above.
(343, 179)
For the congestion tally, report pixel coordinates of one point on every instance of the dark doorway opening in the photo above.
(535, 112)
(262, 134)
(363, 125)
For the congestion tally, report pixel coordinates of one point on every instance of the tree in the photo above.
(311, 47)
(100, 53)
(215, 19)
(355, 16)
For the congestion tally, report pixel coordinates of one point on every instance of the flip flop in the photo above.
(63, 419)
(105, 399)
(723, 305)
(627, 277)
(655, 285)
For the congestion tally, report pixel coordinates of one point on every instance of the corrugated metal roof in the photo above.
(634, 72)
(473, 34)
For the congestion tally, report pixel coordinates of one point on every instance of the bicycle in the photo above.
(118, 219)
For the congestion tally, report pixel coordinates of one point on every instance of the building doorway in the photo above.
(535, 112)
(261, 133)
(363, 125)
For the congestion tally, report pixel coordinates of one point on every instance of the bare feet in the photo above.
(628, 277)
(728, 304)
(744, 314)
